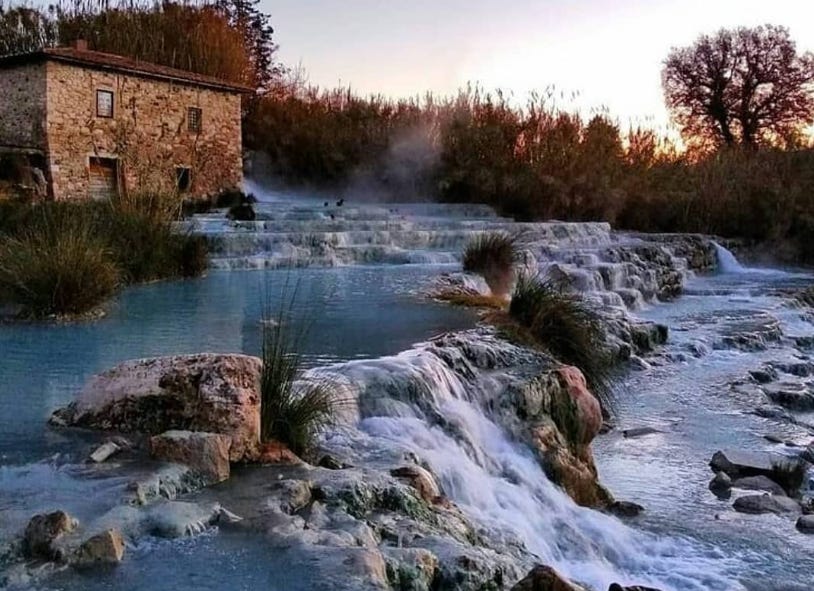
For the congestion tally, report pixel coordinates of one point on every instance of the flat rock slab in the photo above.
(759, 504)
(737, 464)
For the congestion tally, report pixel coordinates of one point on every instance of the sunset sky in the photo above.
(608, 51)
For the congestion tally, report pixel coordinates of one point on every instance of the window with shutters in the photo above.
(104, 103)
(194, 119)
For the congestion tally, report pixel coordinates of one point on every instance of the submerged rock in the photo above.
(44, 531)
(768, 503)
(618, 587)
(204, 392)
(805, 524)
(624, 509)
(545, 578)
(104, 548)
(639, 432)
(206, 453)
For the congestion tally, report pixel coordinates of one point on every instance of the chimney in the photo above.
(80, 45)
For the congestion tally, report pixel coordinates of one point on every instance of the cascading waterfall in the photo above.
(727, 262)
(500, 485)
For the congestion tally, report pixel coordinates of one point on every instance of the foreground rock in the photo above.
(205, 392)
(104, 548)
(759, 504)
(759, 483)
(44, 532)
(205, 453)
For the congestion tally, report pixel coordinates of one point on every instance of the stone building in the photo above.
(84, 124)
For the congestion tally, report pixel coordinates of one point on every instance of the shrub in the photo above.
(292, 410)
(567, 327)
(193, 255)
(492, 255)
(243, 212)
(57, 265)
(790, 475)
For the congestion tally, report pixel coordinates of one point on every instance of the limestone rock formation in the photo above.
(204, 392)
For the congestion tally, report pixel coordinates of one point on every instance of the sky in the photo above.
(596, 54)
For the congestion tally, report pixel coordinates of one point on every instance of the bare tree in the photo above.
(747, 86)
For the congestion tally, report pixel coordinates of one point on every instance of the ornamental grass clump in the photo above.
(568, 328)
(293, 408)
(493, 256)
(57, 265)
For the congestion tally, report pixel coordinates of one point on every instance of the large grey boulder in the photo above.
(205, 392)
(758, 504)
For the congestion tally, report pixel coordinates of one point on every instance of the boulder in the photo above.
(759, 483)
(205, 392)
(805, 524)
(421, 480)
(721, 484)
(737, 464)
(104, 548)
(589, 412)
(206, 453)
(42, 533)
(545, 578)
(768, 503)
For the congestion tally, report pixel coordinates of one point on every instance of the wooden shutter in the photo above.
(103, 181)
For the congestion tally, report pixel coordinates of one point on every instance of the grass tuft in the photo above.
(58, 265)
(493, 256)
(568, 328)
(293, 410)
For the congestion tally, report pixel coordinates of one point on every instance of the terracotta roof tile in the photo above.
(118, 63)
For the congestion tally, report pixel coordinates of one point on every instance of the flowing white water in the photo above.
(727, 262)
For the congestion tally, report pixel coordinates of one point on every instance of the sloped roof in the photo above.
(116, 63)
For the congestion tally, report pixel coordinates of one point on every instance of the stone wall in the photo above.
(22, 107)
(148, 133)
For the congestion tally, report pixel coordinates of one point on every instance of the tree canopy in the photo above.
(744, 86)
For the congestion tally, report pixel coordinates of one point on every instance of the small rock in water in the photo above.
(721, 484)
(103, 452)
(545, 578)
(806, 524)
(331, 463)
(625, 509)
(640, 432)
(742, 463)
(42, 533)
(618, 587)
(773, 438)
(764, 376)
(104, 548)
(759, 483)
(768, 503)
